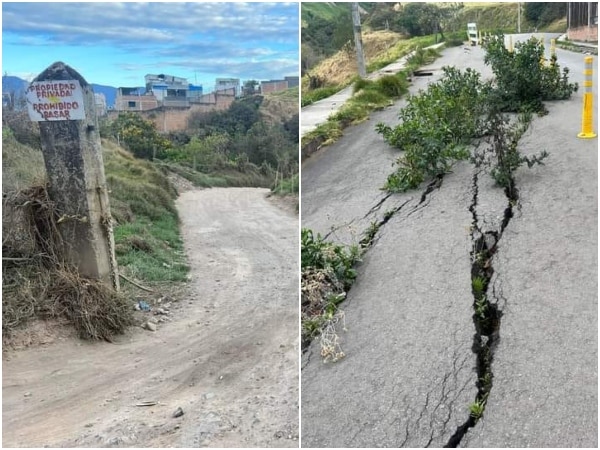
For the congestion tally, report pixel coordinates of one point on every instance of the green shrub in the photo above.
(523, 79)
(435, 127)
(316, 253)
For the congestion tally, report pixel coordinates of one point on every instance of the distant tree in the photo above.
(207, 153)
(343, 34)
(453, 10)
(384, 16)
(544, 13)
(420, 19)
(308, 58)
(292, 126)
(250, 87)
(139, 136)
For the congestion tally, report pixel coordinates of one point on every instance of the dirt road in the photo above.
(228, 358)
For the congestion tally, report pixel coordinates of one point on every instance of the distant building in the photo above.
(222, 84)
(100, 100)
(268, 87)
(293, 81)
(134, 99)
(161, 90)
(172, 91)
(169, 101)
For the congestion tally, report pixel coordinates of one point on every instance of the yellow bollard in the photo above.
(587, 116)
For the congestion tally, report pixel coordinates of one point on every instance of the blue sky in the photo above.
(116, 44)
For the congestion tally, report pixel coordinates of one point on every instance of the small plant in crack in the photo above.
(481, 309)
(485, 382)
(504, 157)
(477, 408)
(327, 274)
(369, 234)
(479, 285)
(482, 260)
(388, 214)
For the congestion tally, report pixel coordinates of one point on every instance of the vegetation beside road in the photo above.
(37, 283)
(438, 124)
(327, 273)
(253, 143)
(369, 96)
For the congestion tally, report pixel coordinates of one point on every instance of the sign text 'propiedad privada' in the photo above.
(55, 100)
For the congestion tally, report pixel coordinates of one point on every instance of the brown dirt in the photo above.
(228, 356)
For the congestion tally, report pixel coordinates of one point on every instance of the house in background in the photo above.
(161, 90)
(270, 86)
(223, 84)
(134, 99)
(292, 81)
(172, 91)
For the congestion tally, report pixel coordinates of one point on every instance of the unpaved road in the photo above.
(229, 357)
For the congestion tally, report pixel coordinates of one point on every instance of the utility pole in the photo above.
(519, 20)
(360, 57)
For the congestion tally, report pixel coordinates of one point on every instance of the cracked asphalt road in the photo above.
(409, 374)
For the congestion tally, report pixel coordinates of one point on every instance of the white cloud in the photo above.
(126, 23)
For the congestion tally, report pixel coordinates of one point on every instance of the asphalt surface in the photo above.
(409, 374)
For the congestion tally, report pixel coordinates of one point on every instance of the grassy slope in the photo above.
(147, 237)
(148, 243)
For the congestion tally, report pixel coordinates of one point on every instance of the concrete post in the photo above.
(63, 103)
(360, 56)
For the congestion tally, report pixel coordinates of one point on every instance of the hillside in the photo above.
(281, 106)
(326, 28)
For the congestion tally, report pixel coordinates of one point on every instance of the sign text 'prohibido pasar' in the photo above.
(55, 100)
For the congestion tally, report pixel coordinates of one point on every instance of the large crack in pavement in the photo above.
(370, 234)
(487, 316)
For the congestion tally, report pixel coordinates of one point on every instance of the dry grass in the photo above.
(320, 318)
(341, 67)
(279, 106)
(36, 281)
